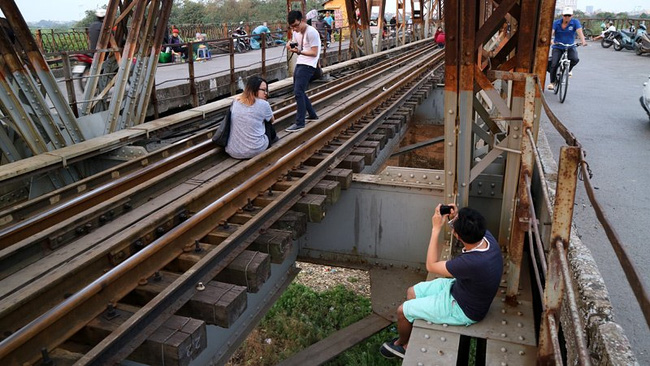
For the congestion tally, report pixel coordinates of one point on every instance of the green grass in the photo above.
(302, 317)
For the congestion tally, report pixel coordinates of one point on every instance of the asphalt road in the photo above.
(602, 109)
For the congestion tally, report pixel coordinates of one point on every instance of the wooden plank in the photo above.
(176, 343)
(219, 304)
(378, 137)
(330, 347)
(311, 204)
(353, 162)
(276, 243)
(294, 222)
(328, 188)
(250, 269)
(343, 176)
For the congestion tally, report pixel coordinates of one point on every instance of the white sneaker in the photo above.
(550, 87)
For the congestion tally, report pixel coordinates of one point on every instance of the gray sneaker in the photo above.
(294, 128)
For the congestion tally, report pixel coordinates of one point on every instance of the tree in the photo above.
(86, 20)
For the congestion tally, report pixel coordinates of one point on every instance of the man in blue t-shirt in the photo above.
(470, 281)
(564, 31)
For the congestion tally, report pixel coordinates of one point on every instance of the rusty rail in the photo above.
(52, 328)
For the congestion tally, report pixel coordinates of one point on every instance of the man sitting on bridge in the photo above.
(470, 281)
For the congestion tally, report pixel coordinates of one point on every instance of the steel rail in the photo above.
(124, 340)
(148, 228)
(92, 198)
(22, 210)
(58, 321)
(10, 214)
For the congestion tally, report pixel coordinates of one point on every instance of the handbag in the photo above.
(221, 135)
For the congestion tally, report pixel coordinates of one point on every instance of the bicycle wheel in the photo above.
(564, 84)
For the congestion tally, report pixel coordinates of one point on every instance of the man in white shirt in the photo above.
(305, 44)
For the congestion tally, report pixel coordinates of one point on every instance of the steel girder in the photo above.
(36, 117)
(491, 47)
(137, 28)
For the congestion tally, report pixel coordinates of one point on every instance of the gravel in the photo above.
(321, 278)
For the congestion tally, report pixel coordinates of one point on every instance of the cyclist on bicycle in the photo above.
(564, 31)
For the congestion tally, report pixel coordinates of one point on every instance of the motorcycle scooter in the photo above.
(242, 42)
(643, 44)
(81, 70)
(645, 98)
(627, 40)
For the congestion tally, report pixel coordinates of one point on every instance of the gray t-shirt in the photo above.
(247, 137)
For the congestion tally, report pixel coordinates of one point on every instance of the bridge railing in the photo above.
(549, 253)
(219, 48)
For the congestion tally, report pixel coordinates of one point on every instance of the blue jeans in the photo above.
(301, 77)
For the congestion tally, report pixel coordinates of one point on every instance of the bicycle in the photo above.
(562, 73)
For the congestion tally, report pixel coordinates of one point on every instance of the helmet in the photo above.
(100, 13)
(567, 10)
(642, 26)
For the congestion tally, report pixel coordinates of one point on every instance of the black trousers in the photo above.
(555, 60)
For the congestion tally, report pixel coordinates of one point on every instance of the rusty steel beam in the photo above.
(554, 289)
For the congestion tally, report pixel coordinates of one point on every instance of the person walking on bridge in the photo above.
(564, 31)
(468, 283)
(305, 43)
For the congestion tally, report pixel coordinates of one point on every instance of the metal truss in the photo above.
(126, 61)
(490, 47)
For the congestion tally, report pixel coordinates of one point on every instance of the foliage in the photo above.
(302, 317)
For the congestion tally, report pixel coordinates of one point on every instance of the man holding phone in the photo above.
(305, 43)
(468, 283)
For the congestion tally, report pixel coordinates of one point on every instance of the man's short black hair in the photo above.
(293, 16)
(469, 225)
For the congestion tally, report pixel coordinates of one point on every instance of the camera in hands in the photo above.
(293, 44)
(445, 210)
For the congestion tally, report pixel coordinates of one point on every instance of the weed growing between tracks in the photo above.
(302, 317)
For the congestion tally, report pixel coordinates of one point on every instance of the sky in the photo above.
(66, 10)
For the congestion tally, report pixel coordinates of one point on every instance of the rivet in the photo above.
(503, 311)
(420, 364)
(520, 313)
(423, 350)
(516, 128)
(200, 286)
(443, 339)
(503, 335)
(521, 353)
(521, 338)
(424, 176)
(426, 336)
(504, 364)
(451, 111)
(412, 175)
(399, 175)
(463, 184)
(440, 352)
(504, 322)
(503, 349)
(520, 325)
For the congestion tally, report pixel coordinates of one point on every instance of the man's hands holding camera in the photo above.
(438, 218)
(293, 47)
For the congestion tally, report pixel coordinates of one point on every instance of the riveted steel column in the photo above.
(520, 226)
(27, 122)
(452, 9)
(149, 82)
(42, 70)
(467, 58)
(113, 122)
(560, 231)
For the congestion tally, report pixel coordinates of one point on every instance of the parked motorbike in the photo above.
(645, 98)
(608, 39)
(643, 44)
(81, 70)
(242, 42)
(628, 39)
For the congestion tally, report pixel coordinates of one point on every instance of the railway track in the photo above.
(189, 219)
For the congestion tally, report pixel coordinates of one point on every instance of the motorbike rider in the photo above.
(95, 28)
(611, 28)
(564, 31)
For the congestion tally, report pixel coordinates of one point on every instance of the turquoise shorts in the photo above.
(433, 302)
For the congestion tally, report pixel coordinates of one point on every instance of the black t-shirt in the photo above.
(477, 274)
